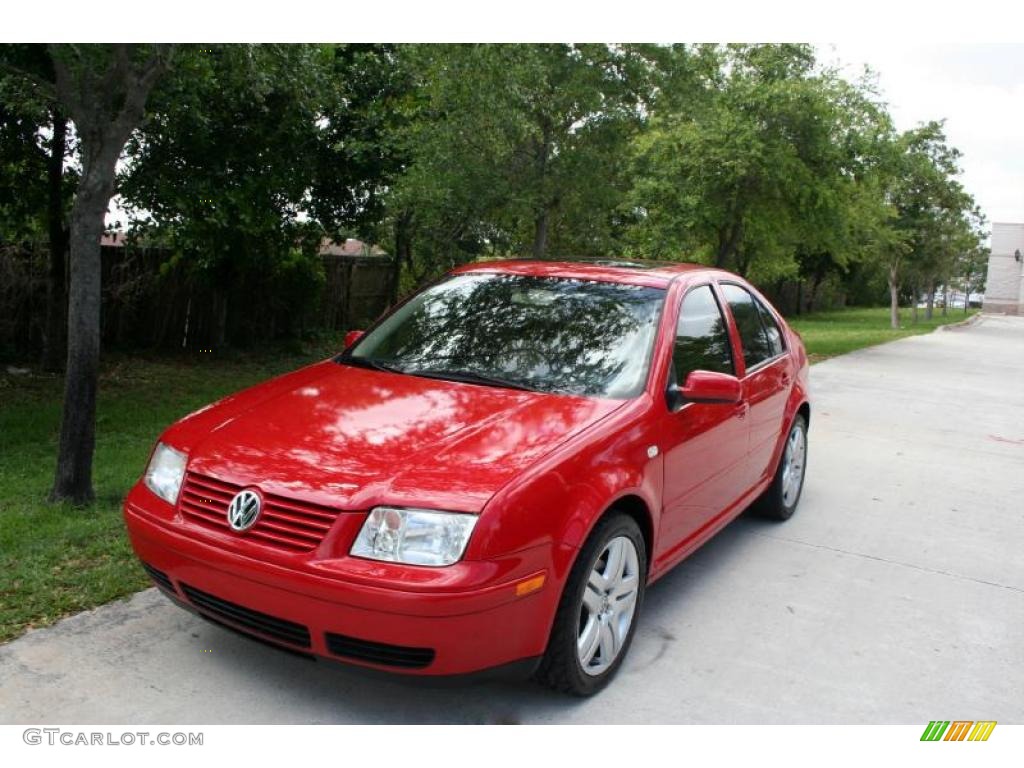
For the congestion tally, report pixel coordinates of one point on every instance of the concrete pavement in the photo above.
(895, 595)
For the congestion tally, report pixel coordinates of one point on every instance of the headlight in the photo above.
(414, 536)
(165, 472)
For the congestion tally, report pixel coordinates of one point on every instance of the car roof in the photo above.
(656, 274)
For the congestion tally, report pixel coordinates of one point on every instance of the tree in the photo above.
(958, 232)
(971, 271)
(854, 226)
(222, 174)
(516, 148)
(932, 212)
(37, 187)
(253, 154)
(358, 156)
(759, 168)
(103, 90)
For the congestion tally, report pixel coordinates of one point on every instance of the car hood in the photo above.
(344, 436)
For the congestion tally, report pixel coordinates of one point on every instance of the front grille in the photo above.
(379, 653)
(160, 578)
(295, 526)
(248, 619)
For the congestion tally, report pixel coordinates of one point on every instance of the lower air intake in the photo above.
(160, 578)
(248, 620)
(379, 653)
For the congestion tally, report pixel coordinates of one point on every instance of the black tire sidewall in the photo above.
(562, 646)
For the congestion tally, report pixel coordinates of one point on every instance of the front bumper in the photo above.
(459, 629)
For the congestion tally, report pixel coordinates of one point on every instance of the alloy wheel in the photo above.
(609, 604)
(793, 465)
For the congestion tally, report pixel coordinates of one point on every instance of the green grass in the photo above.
(56, 560)
(827, 334)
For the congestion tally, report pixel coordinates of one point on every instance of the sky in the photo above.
(977, 88)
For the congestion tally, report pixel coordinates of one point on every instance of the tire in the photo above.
(780, 500)
(607, 619)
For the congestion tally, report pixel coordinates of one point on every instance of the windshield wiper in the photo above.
(448, 374)
(469, 377)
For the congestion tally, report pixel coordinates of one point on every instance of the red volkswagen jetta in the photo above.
(490, 476)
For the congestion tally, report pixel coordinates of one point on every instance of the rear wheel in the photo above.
(597, 614)
(780, 500)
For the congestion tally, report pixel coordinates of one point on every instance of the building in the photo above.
(1004, 286)
(349, 247)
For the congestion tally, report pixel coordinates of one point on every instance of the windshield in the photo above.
(548, 334)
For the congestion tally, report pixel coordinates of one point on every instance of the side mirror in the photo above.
(352, 337)
(710, 387)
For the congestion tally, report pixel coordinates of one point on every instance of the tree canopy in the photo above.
(753, 157)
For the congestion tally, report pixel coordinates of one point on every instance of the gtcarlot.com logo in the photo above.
(67, 738)
(958, 730)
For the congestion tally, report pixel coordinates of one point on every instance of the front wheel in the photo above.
(780, 500)
(597, 614)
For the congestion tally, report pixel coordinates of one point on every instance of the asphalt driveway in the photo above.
(895, 595)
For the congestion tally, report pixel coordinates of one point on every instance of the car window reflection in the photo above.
(551, 334)
(702, 339)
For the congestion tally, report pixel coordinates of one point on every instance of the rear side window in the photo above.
(771, 328)
(702, 337)
(759, 333)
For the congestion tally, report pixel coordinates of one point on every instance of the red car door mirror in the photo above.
(711, 387)
(352, 337)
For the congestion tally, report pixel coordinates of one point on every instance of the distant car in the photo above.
(488, 478)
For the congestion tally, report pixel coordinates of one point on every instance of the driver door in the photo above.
(704, 444)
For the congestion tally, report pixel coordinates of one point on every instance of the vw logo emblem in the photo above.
(243, 510)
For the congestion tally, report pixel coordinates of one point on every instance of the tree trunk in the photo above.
(812, 297)
(542, 153)
(930, 307)
(73, 480)
(913, 303)
(742, 262)
(894, 299)
(394, 280)
(540, 234)
(728, 241)
(105, 107)
(403, 252)
(219, 335)
(55, 337)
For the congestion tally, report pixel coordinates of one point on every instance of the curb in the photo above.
(972, 320)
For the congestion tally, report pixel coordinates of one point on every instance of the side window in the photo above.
(757, 347)
(702, 337)
(771, 328)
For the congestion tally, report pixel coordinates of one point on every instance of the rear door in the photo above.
(767, 375)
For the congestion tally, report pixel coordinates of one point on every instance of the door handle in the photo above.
(741, 410)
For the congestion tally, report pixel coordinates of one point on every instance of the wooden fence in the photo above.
(148, 304)
(357, 289)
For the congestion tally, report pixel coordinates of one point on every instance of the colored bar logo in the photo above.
(958, 730)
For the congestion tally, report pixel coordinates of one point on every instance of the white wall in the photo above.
(1004, 286)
